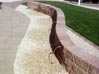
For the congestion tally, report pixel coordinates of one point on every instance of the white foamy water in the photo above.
(32, 55)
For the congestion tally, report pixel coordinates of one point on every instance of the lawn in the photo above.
(82, 20)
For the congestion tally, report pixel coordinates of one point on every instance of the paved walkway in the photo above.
(13, 26)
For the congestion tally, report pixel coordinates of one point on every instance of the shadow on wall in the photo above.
(0, 5)
(54, 41)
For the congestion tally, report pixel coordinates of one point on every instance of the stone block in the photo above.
(80, 71)
(68, 65)
(93, 70)
(84, 65)
(69, 55)
(73, 68)
(72, 72)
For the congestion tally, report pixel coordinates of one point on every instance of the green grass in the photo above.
(82, 20)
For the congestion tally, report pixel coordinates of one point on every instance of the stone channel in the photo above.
(33, 53)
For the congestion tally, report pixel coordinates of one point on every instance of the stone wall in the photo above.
(71, 57)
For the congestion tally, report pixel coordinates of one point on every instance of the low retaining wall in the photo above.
(54, 41)
(70, 56)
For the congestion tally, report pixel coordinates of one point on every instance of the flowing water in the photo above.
(32, 55)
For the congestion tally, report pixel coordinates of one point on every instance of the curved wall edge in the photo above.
(69, 55)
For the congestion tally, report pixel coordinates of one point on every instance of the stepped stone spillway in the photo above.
(32, 55)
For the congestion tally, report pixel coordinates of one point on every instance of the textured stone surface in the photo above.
(69, 55)
(81, 63)
(68, 65)
(93, 70)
